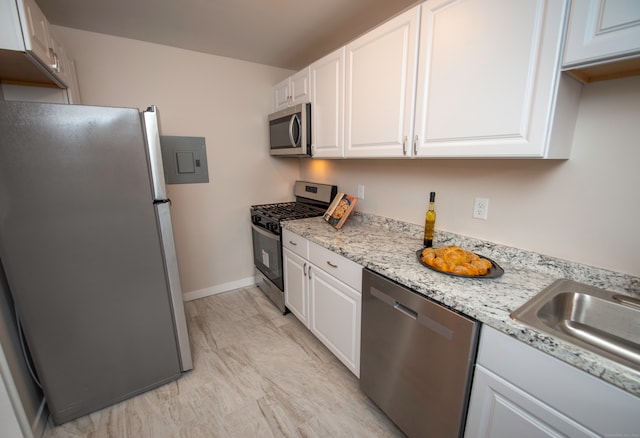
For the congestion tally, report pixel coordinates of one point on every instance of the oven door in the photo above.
(267, 254)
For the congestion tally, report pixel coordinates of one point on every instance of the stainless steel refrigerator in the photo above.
(87, 246)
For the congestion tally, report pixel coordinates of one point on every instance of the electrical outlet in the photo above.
(481, 208)
(361, 191)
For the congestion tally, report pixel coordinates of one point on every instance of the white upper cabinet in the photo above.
(327, 114)
(380, 89)
(281, 95)
(61, 65)
(601, 31)
(36, 33)
(24, 29)
(292, 91)
(489, 82)
(74, 88)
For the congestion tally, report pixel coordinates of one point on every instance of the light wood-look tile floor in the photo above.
(256, 373)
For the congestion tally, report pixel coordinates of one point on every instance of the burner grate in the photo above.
(288, 210)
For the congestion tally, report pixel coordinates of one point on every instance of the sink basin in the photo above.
(598, 320)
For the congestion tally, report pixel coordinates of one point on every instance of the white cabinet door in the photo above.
(61, 62)
(602, 30)
(498, 409)
(380, 89)
(335, 311)
(299, 89)
(292, 91)
(11, 37)
(327, 113)
(36, 32)
(488, 77)
(519, 388)
(281, 95)
(74, 88)
(295, 285)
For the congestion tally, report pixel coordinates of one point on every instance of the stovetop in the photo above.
(287, 210)
(311, 200)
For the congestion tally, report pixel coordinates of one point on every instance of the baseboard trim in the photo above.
(218, 289)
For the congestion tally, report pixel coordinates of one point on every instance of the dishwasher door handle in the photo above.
(427, 322)
(404, 309)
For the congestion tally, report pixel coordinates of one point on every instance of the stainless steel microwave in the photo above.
(290, 131)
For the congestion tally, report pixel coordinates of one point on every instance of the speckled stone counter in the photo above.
(389, 247)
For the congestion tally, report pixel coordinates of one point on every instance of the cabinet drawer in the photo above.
(338, 266)
(295, 243)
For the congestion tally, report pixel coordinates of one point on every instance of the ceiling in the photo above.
(282, 33)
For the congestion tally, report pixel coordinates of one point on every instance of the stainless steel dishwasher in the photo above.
(416, 358)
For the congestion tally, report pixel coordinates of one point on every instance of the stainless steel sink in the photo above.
(598, 320)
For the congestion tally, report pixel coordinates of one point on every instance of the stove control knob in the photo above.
(256, 219)
(272, 226)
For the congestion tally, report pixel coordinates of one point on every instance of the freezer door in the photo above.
(152, 136)
(163, 213)
(81, 248)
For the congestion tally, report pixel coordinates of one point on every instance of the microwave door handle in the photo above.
(294, 119)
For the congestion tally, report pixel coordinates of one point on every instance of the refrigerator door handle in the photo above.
(152, 135)
(175, 289)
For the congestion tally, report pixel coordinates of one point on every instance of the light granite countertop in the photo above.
(389, 247)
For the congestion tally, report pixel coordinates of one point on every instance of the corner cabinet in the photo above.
(324, 291)
(518, 389)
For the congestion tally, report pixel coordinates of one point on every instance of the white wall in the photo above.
(224, 100)
(585, 209)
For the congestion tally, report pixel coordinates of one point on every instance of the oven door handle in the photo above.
(265, 233)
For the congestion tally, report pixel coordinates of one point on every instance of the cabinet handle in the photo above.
(56, 61)
(404, 145)
(415, 145)
(331, 264)
(309, 272)
(293, 243)
(304, 269)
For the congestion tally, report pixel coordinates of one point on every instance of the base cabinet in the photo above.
(324, 291)
(520, 391)
(334, 316)
(505, 408)
(296, 296)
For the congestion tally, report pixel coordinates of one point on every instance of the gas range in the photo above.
(269, 215)
(311, 200)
